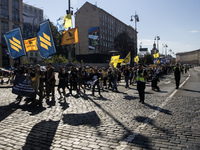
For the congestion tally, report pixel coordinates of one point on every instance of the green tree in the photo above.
(124, 44)
(56, 59)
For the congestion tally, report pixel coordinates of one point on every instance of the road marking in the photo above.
(140, 128)
(167, 82)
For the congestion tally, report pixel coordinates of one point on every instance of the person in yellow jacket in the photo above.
(141, 75)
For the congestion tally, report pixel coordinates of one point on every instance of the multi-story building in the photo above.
(97, 30)
(32, 17)
(10, 17)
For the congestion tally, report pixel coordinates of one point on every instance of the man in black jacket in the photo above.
(177, 75)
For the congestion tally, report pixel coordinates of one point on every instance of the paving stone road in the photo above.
(113, 121)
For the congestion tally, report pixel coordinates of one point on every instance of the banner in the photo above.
(70, 37)
(45, 41)
(93, 35)
(127, 59)
(25, 86)
(15, 43)
(68, 21)
(31, 44)
(114, 61)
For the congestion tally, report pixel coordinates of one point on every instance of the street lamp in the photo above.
(165, 49)
(136, 20)
(157, 38)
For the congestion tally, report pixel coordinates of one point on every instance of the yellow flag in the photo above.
(120, 60)
(158, 62)
(114, 61)
(157, 55)
(68, 21)
(70, 37)
(127, 59)
(136, 59)
(31, 44)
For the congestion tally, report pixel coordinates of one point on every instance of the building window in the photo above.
(4, 9)
(4, 29)
(15, 10)
(15, 25)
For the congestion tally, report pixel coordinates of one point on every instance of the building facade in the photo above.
(11, 17)
(32, 17)
(192, 57)
(97, 30)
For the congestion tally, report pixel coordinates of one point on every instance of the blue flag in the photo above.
(60, 24)
(15, 43)
(45, 41)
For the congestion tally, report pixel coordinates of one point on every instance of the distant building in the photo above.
(192, 57)
(97, 30)
(11, 17)
(32, 17)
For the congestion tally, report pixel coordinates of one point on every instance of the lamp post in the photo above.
(157, 38)
(136, 20)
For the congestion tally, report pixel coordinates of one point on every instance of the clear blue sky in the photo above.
(177, 22)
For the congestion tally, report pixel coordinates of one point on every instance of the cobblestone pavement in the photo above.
(113, 121)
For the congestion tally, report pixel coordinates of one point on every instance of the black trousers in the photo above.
(141, 88)
(177, 82)
(96, 84)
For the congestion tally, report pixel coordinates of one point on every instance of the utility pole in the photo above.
(69, 47)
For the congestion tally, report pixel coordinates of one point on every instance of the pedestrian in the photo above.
(40, 74)
(62, 82)
(126, 76)
(110, 79)
(50, 81)
(177, 75)
(95, 79)
(154, 83)
(115, 77)
(104, 77)
(73, 79)
(80, 79)
(141, 76)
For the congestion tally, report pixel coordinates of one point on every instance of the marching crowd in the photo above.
(85, 78)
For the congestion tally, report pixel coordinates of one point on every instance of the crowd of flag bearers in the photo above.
(81, 80)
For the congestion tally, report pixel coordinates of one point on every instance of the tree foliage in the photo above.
(56, 59)
(124, 44)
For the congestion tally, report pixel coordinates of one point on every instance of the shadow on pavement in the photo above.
(190, 90)
(51, 102)
(41, 135)
(158, 109)
(32, 108)
(7, 110)
(89, 118)
(64, 104)
(128, 97)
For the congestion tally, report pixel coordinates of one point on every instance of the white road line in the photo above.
(139, 129)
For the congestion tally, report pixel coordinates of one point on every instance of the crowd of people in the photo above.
(88, 78)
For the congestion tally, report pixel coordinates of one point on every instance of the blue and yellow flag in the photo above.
(15, 43)
(60, 24)
(45, 41)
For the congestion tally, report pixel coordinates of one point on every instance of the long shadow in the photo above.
(32, 108)
(89, 118)
(41, 135)
(7, 110)
(190, 90)
(127, 131)
(158, 109)
(128, 97)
